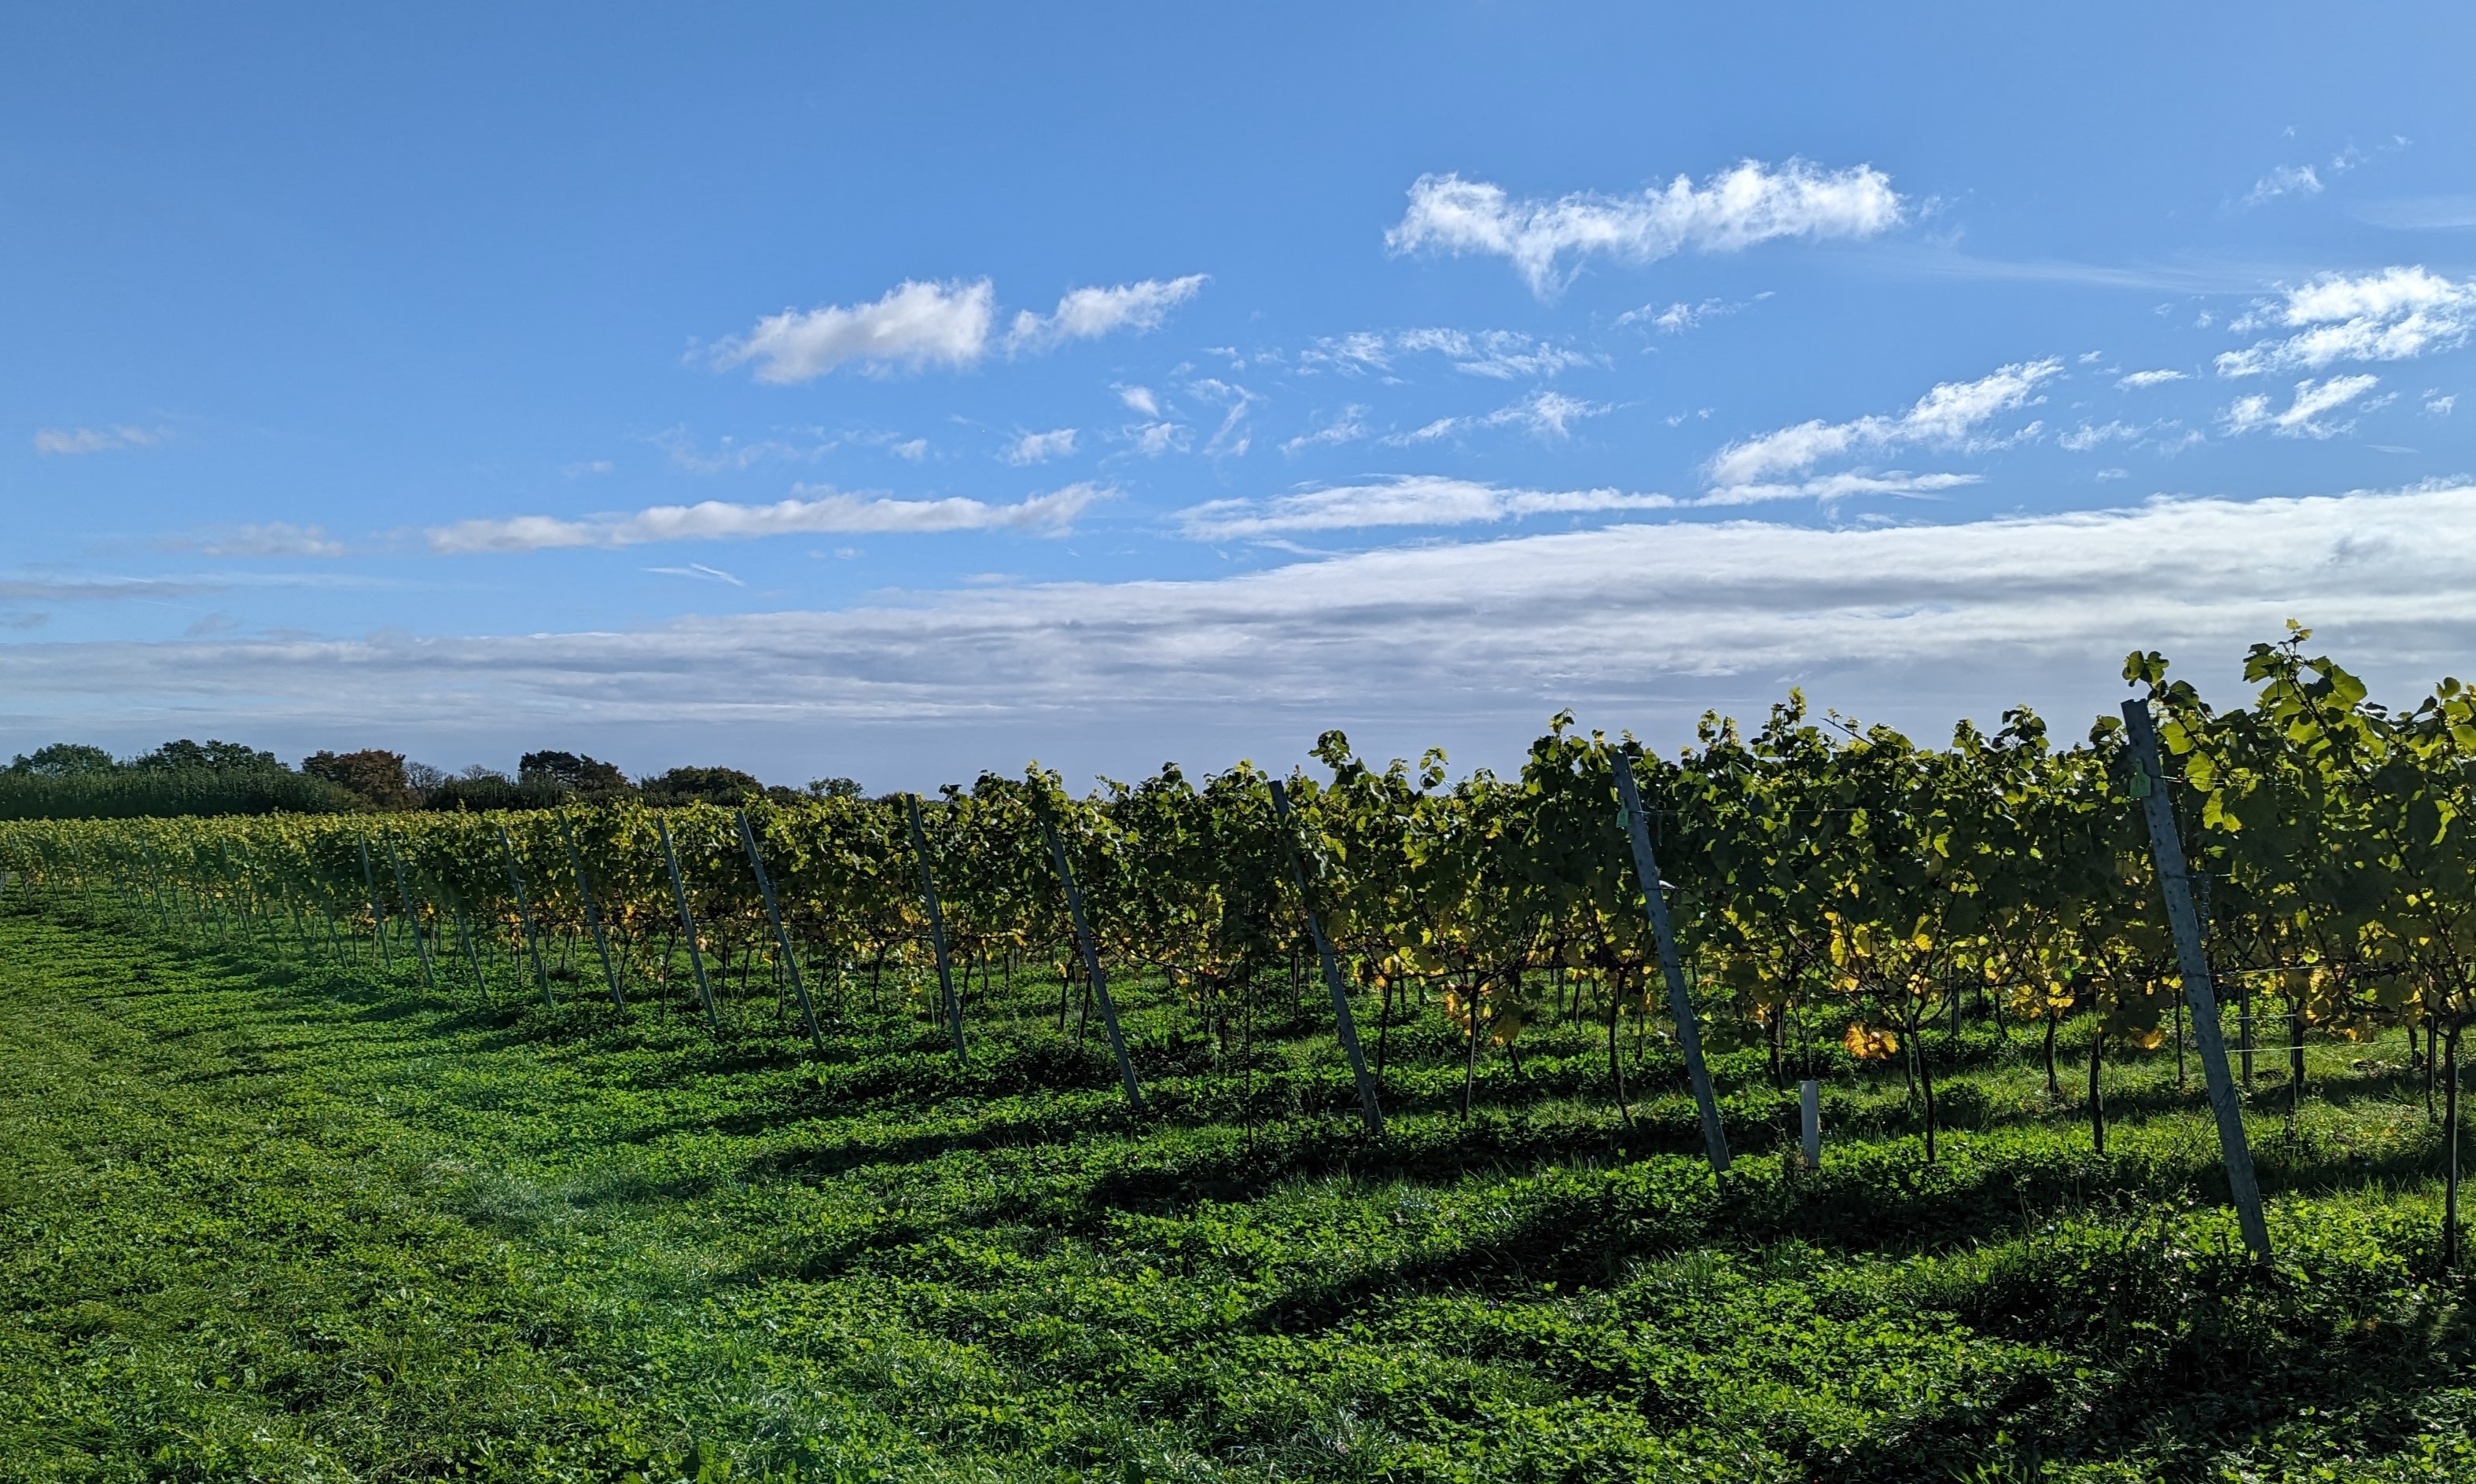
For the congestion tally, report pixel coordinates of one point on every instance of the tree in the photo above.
(374, 774)
(588, 777)
(60, 761)
(725, 786)
(207, 756)
(833, 788)
(479, 788)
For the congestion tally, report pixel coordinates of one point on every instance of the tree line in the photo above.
(76, 780)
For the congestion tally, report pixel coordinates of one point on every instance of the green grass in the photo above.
(270, 1224)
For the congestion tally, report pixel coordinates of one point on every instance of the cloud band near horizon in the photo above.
(1625, 623)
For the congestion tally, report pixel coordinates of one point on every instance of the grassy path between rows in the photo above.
(268, 1223)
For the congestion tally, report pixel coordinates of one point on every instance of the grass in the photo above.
(259, 1223)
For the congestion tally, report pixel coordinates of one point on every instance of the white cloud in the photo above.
(94, 440)
(1348, 427)
(1360, 350)
(1838, 486)
(1153, 439)
(1409, 500)
(2285, 181)
(1502, 354)
(715, 520)
(1140, 399)
(1732, 210)
(1677, 318)
(729, 453)
(2395, 314)
(274, 539)
(2306, 180)
(1949, 415)
(1545, 415)
(106, 589)
(701, 572)
(1039, 447)
(2423, 213)
(2439, 406)
(916, 324)
(2302, 417)
(2140, 380)
(1230, 439)
(1548, 416)
(1089, 314)
(2086, 436)
(1469, 645)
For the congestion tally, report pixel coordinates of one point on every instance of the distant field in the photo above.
(282, 1223)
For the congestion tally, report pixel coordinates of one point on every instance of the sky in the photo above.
(904, 392)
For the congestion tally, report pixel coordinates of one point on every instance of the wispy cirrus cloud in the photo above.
(1500, 354)
(2143, 380)
(1952, 414)
(270, 538)
(728, 452)
(2309, 180)
(1680, 318)
(1735, 209)
(1838, 486)
(2285, 181)
(1405, 500)
(106, 589)
(802, 514)
(701, 573)
(2089, 436)
(2398, 314)
(2305, 417)
(1348, 427)
(57, 442)
(920, 323)
(1231, 438)
(1546, 415)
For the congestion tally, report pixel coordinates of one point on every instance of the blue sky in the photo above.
(903, 393)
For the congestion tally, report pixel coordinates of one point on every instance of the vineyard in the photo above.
(1812, 1104)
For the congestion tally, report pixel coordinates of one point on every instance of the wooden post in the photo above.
(937, 924)
(2450, 1169)
(378, 914)
(592, 917)
(781, 939)
(1092, 965)
(525, 917)
(688, 926)
(1680, 1004)
(2149, 785)
(472, 954)
(403, 897)
(1345, 1024)
(1809, 1108)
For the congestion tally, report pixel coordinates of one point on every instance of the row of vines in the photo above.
(1824, 881)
